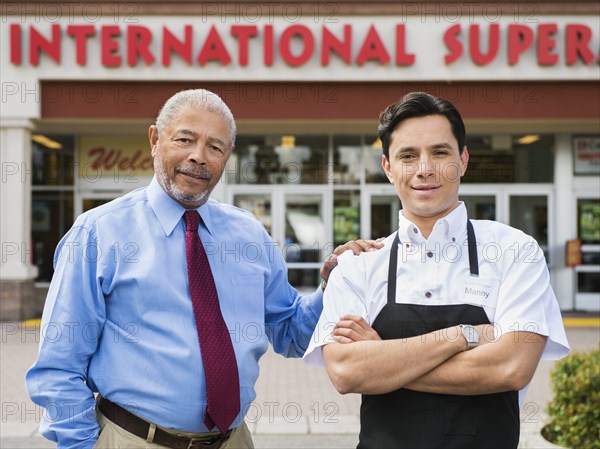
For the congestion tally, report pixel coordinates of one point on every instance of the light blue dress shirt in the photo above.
(118, 318)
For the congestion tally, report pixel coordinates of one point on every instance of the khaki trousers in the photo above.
(115, 437)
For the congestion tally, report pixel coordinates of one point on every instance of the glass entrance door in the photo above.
(384, 215)
(529, 213)
(587, 294)
(260, 206)
(480, 207)
(304, 237)
(299, 220)
(379, 211)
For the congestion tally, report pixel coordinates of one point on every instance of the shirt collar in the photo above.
(452, 226)
(169, 212)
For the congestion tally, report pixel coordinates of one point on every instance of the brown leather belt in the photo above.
(140, 428)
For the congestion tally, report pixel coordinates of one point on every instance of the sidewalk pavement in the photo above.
(296, 405)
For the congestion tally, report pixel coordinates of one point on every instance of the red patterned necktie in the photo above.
(218, 357)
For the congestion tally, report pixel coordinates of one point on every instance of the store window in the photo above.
(502, 158)
(53, 160)
(284, 159)
(51, 198)
(497, 158)
(373, 151)
(347, 155)
(313, 193)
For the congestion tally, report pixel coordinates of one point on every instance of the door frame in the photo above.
(278, 193)
(366, 194)
(584, 301)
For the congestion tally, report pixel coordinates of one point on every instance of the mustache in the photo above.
(199, 172)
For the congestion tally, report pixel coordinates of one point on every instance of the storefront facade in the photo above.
(306, 82)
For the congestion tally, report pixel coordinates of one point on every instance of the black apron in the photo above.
(411, 419)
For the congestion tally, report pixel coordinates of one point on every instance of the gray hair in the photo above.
(197, 99)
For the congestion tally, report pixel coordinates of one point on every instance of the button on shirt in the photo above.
(513, 286)
(118, 318)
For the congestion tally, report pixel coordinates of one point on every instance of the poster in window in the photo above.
(586, 152)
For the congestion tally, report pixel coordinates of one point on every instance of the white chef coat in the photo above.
(513, 286)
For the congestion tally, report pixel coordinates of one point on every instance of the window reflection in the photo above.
(347, 154)
(508, 159)
(258, 205)
(279, 160)
(304, 228)
(374, 173)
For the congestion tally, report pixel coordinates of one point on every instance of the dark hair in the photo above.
(419, 104)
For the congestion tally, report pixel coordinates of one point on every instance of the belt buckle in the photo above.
(196, 443)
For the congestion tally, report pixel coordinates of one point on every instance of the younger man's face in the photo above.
(425, 166)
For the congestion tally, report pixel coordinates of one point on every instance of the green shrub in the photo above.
(575, 410)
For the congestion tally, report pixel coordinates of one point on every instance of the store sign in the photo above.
(121, 158)
(131, 45)
(554, 47)
(586, 151)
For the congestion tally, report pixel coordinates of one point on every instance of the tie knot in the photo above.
(192, 219)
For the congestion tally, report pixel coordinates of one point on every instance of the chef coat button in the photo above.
(415, 230)
(430, 254)
(428, 295)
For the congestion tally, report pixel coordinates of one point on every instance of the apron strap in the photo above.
(391, 290)
(472, 243)
(393, 265)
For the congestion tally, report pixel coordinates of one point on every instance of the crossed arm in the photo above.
(436, 362)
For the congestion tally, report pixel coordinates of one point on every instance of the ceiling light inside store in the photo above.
(529, 138)
(46, 141)
(288, 141)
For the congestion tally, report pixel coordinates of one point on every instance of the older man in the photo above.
(167, 319)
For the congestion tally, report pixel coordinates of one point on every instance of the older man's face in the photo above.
(190, 155)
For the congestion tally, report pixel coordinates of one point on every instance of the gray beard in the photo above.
(184, 198)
